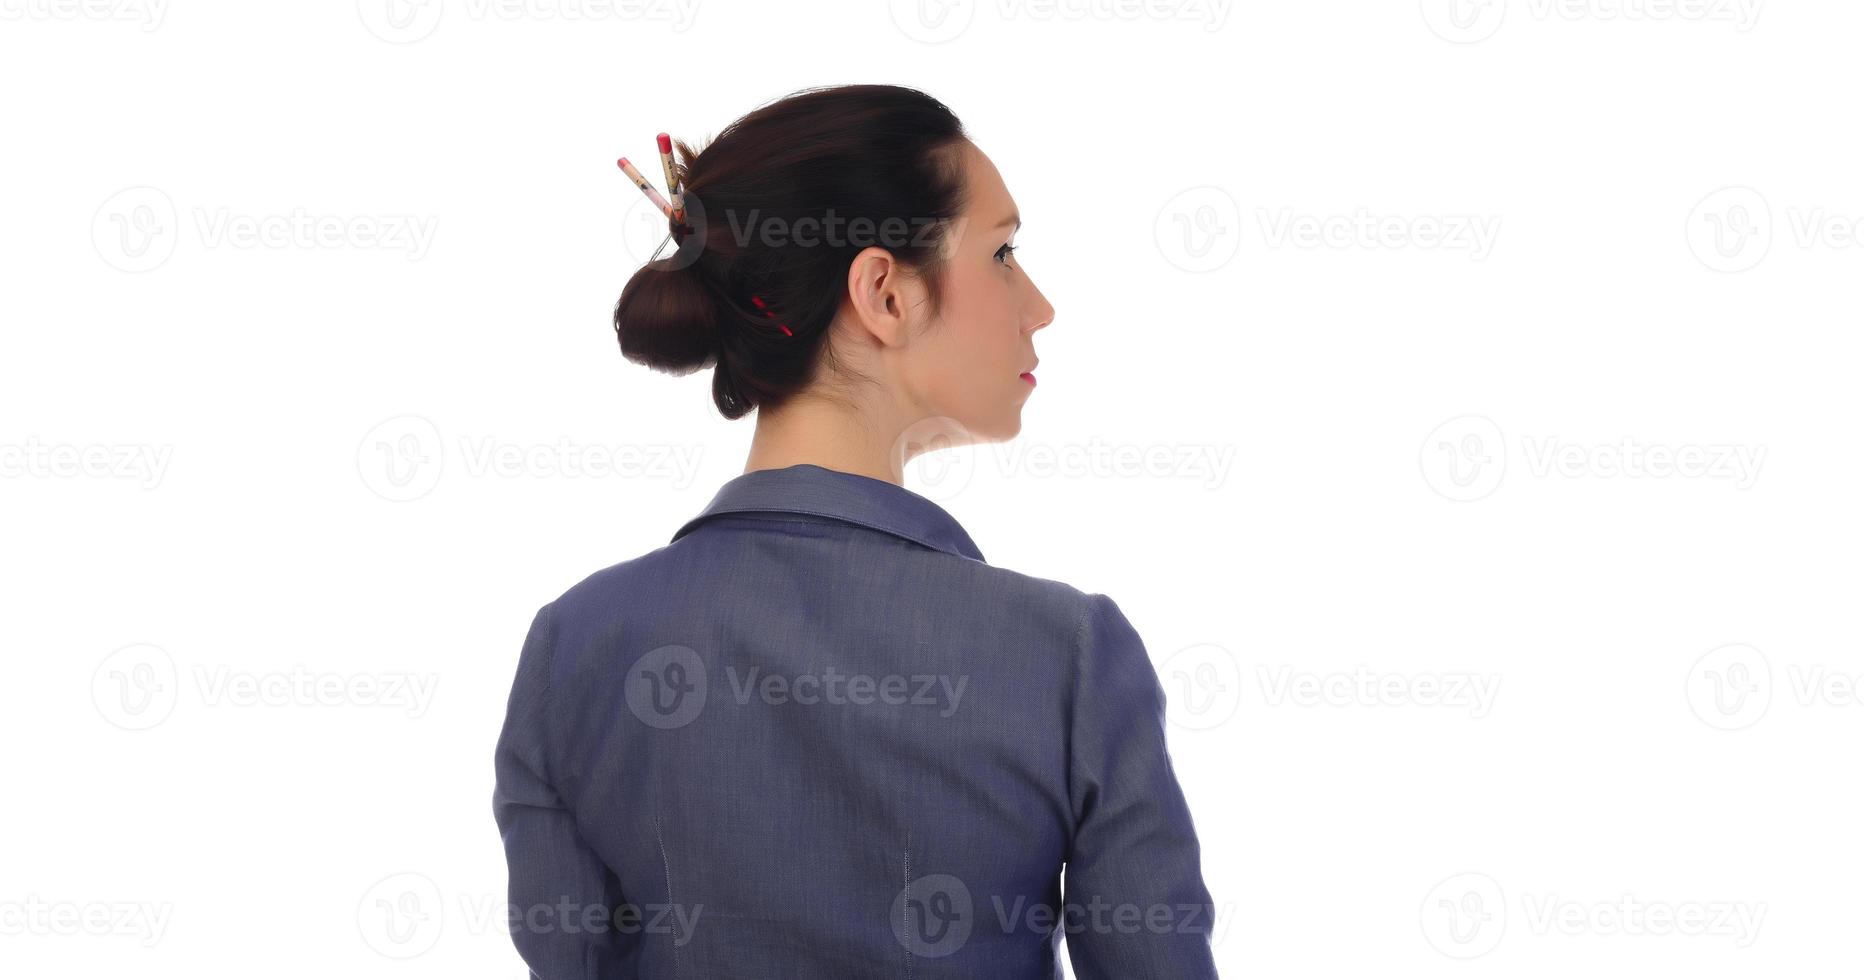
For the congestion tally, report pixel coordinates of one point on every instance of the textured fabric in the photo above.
(816, 735)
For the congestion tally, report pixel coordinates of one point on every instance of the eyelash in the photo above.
(1005, 252)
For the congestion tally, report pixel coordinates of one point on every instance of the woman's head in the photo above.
(866, 223)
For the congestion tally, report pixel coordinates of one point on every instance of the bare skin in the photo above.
(954, 381)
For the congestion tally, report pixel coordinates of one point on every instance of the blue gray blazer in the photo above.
(817, 736)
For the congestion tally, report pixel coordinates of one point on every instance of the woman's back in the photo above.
(816, 735)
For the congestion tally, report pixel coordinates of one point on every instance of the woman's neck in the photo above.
(810, 428)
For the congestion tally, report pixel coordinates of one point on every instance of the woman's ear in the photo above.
(881, 295)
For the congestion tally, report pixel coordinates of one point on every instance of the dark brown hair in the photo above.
(880, 160)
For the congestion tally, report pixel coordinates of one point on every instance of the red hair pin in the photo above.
(758, 301)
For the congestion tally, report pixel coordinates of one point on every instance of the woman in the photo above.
(817, 735)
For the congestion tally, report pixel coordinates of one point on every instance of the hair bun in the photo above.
(668, 318)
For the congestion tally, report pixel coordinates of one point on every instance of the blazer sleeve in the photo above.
(562, 897)
(1135, 905)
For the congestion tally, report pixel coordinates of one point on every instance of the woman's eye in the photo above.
(1004, 252)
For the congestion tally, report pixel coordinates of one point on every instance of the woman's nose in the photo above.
(1041, 313)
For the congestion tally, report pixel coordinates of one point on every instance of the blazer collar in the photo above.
(806, 488)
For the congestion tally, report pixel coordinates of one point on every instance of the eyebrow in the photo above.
(1014, 218)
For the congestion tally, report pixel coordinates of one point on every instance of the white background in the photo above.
(1296, 452)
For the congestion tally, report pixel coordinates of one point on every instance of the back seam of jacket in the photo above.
(906, 903)
(666, 869)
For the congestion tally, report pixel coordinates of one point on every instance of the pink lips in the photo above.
(1027, 376)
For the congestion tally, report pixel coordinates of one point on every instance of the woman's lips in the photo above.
(1029, 376)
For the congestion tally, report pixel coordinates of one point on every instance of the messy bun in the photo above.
(778, 206)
